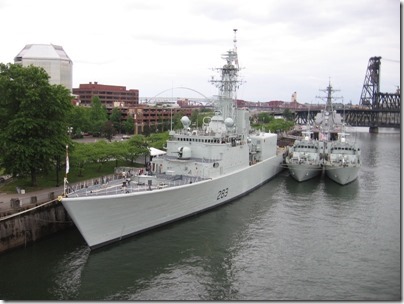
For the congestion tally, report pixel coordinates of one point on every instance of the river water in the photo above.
(285, 241)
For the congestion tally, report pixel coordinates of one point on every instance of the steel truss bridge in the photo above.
(375, 109)
(382, 118)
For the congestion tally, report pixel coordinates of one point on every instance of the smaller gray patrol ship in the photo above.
(341, 161)
(325, 148)
(304, 158)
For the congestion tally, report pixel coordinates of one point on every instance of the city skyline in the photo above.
(285, 46)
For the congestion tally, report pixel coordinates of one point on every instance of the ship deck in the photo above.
(136, 183)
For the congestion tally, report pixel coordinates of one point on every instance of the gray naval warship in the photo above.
(342, 156)
(325, 147)
(304, 158)
(202, 169)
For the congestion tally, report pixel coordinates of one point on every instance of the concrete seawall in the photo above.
(28, 226)
(28, 217)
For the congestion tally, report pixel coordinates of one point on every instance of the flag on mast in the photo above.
(67, 159)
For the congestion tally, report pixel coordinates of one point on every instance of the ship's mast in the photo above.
(228, 83)
(329, 98)
(329, 117)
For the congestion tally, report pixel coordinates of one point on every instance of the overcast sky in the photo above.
(153, 45)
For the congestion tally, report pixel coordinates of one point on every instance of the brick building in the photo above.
(155, 116)
(145, 116)
(110, 95)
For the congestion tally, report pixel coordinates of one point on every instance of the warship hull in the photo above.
(304, 172)
(342, 175)
(105, 219)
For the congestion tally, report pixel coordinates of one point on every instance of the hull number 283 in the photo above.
(222, 193)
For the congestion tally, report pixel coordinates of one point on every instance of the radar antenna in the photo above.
(235, 48)
(228, 82)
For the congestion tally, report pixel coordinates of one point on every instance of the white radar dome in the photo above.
(185, 121)
(229, 122)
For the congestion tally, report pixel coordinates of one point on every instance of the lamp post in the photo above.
(70, 131)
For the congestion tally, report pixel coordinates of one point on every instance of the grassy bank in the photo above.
(48, 180)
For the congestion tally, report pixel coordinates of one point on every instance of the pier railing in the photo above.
(21, 200)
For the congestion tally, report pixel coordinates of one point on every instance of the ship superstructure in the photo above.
(203, 168)
(343, 159)
(325, 147)
(304, 159)
(341, 155)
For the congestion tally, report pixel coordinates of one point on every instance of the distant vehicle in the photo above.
(125, 136)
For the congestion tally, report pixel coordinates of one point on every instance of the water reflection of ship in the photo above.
(180, 252)
(347, 193)
(307, 187)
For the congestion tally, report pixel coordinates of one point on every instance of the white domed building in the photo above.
(50, 57)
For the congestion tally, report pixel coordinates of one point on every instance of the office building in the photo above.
(52, 58)
(110, 95)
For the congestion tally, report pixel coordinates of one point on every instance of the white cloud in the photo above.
(285, 46)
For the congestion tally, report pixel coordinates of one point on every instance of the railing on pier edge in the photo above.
(20, 203)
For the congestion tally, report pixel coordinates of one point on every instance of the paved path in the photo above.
(25, 199)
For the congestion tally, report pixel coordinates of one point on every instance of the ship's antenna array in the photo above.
(329, 98)
(235, 48)
(228, 82)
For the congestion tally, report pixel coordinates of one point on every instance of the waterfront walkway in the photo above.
(21, 200)
(26, 199)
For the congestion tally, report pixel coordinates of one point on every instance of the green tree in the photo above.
(135, 147)
(108, 130)
(279, 125)
(99, 152)
(115, 118)
(129, 125)
(177, 124)
(197, 117)
(158, 140)
(33, 120)
(264, 117)
(80, 156)
(288, 115)
(79, 119)
(118, 151)
(98, 115)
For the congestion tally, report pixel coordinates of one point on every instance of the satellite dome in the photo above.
(185, 121)
(229, 122)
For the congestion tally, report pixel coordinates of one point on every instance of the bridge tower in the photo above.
(385, 106)
(371, 85)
